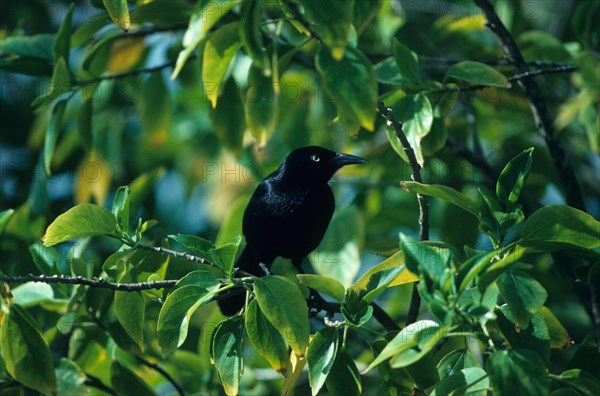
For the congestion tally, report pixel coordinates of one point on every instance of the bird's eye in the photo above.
(315, 158)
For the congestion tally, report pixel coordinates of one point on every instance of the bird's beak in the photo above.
(346, 159)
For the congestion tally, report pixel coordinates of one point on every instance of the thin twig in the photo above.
(183, 255)
(383, 318)
(162, 372)
(153, 30)
(478, 161)
(126, 74)
(378, 313)
(539, 109)
(387, 113)
(95, 382)
(99, 283)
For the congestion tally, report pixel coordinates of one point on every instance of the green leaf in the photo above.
(534, 337)
(155, 108)
(231, 225)
(558, 227)
(443, 192)
(517, 372)
(119, 13)
(321, 356)
(364, 12)
(394, 261)
(509, 255)
(404, 340)
(175, 314)
(26, 355)
(472, 267)
(56, 120)
(120, 208)
(32, 293)
(523, 294)
(416, 114)
(201, 278)
(60, 83)
(424, 340)
(426, 259)
(80, 221)
(84, 124)
(455, 361)
(227, 352)
(352, 84)
(338, 255)
(284, 305)
(478, 73)
(267, 340)
(37, 46)
(559, 336)
(224, 256)
(512, 179)
(323, 284)
(378, 282)
(4, 218)
(472, 380)
(163, 13)
(204, 16)
(587, 356)
(130, 309)
(70, 378)
(332, 22)
(261, 105)
(194, 244)
(219, 50)
(407, 62)
(62, 42)
(344, 377)
(581, 382)
(249, 33)
(126, 382)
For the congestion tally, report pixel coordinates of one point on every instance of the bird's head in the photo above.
(314, 163)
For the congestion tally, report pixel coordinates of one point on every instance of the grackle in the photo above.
(289, 212)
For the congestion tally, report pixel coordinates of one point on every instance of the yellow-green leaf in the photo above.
(220, 49)
(284, 305)
(119, 13)
(261, 105)
(267, 340)
(204, 16)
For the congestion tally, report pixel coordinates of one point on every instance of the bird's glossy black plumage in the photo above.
(289, 212)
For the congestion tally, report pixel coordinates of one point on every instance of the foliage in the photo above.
(150, 122)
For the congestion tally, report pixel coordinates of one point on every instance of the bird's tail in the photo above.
(249, 263)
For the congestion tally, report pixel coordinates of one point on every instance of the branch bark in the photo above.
(539, 109)
(387, 113)
(99, 283)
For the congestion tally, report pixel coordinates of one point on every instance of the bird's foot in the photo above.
(265, 269)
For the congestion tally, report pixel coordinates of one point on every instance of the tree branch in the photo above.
(174, 253)
(95, 382)
(539, 109)
(127, 73)
(99, 283)
(162, 372)
(387, 113)
(478, 161)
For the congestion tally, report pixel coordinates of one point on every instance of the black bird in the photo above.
(289, 212)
